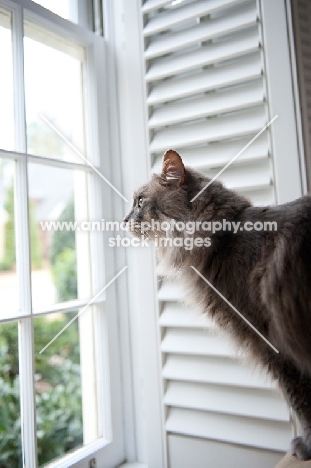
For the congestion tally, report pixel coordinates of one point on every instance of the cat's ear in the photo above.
(173, 170)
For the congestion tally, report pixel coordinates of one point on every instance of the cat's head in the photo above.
(164, 198)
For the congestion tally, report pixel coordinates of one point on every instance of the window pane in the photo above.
(58, 386)
(63, 8)
(6, 82)
(53, 87)
(9, 297)
(10, 425)
(60, 257)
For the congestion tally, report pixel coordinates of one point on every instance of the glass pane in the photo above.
(58, 386)
(9, 297)
(10, 423)
(63, 8)
(59, 253)
(6, 82)
(53, 87)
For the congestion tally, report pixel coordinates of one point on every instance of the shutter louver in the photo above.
(228, 428)
(206, 98)
(220, 399)
(209, 55)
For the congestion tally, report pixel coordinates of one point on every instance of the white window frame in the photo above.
(108, 449)
(145, 355)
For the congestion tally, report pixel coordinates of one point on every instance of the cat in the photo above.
(264, 274)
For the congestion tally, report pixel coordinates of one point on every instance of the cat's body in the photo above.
(264, 274)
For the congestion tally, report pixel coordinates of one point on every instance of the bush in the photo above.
(58, 396)
(59, 419)
(10, 423)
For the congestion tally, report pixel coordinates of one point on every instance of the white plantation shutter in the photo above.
(207, 97)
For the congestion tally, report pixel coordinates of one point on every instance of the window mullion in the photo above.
(27, 398)
(26, 346)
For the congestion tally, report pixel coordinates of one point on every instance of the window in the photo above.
(55, 393)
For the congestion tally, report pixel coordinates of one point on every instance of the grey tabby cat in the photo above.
(266, 275)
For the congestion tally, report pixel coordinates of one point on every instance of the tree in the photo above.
(9, 259)
(35, 241)
(65, 275)
(63, 257)
(62, 240)
(9, 233)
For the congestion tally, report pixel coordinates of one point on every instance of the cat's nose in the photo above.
(126, 218)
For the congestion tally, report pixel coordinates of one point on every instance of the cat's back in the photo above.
(285, 234)
(296, 212)
(283, 276)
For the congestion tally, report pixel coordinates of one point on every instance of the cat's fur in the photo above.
(265, 275)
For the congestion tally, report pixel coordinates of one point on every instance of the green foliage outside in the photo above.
(58, 397)
(63, 239)
(63, 258)
(9, 247)
(9, 259)
(35, 242)
(64, 272)
(10, 425)
(10, 442)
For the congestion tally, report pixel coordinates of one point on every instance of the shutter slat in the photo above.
(246, 431)
(170, 291)
(222, 399)
(201, 56)
(168, 19)
(154, 4)
(178, 316)
(207, 30)
(246, 177)
(219, 154)
(241, 70)
(261, 198)
(213, 370)
(213, 104)
(214, 129)
(243, 185)
(195, 342)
